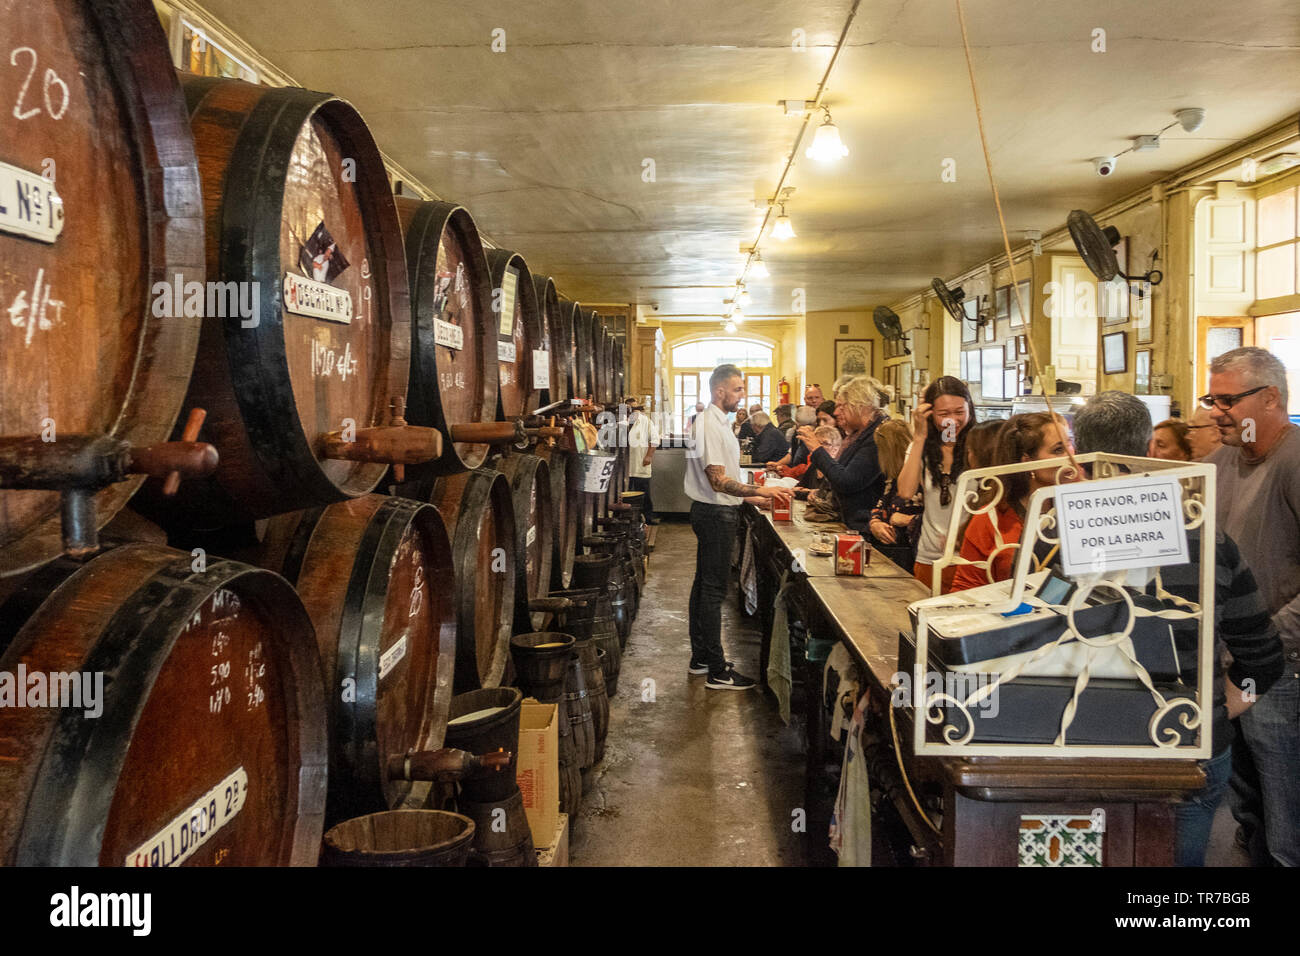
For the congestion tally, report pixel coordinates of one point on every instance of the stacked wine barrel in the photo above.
(229, 321)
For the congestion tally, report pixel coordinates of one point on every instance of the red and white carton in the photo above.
(780, 510)
(852, 553)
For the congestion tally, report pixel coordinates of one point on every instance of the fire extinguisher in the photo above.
(784, 387)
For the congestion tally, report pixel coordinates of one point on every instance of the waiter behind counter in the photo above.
(713, 482)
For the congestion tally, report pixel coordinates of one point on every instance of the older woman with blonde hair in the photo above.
(855, 475)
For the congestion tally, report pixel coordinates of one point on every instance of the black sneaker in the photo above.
(729, 680)
(698, 667)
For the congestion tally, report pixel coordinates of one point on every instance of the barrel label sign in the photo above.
(29, 205)
(303, 296)
(506, 351)
(541, 368)
(181, 839)
(531, 536)
(392, 657)
(445, 333)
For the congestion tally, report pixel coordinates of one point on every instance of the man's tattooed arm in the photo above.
(728, 486)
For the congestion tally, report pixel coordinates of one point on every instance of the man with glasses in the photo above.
(1203, 434)
(1258, 505)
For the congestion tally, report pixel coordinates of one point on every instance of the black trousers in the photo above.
(643, 485)
(715, 528)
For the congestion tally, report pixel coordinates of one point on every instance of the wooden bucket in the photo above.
(478, 511)
(502, 836)
(375, 575)
(496, 729)
(210, 747)
(519, 332)
(454, 332)
(577, 707)
(405, 838)
(553, 339)
(593, 673)
(530, 486)
(82, 350)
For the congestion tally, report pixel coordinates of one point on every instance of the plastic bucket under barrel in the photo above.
(595, 468)
(400, 838)
(484, 721)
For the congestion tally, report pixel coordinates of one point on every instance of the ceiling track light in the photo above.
(827, 147)
(783, 230)
(758, 267)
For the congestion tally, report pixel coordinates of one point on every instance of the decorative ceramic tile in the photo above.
(1059, 839)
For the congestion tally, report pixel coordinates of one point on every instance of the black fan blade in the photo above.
(1094, 245)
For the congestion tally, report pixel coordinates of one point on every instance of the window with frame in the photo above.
(1277, 244)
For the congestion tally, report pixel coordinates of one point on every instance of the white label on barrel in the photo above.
(195, 826)
(392, 657)
(452, 336)
(29, 205)
(505, 351)
(532, 535)
(304, 296)
(509, 289)
(541, 368)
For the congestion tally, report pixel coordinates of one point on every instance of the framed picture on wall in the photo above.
(1018, 320)
(989, 326)
(1002, 310)
(1010, 383)
(970, 309)
(1142, 371)
(1140, 304)
(852, 357)
(1114, 353)
(1010, 349)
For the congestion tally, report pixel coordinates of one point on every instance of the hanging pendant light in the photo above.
(743, 298)
(783, 230)
(826, 145)
(730, 327)
(738, 315)
(759, 267)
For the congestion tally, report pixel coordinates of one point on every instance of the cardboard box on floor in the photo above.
(538, 770)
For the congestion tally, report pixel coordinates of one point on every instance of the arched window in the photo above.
(693, 362)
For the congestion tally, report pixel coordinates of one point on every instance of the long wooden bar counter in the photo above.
(985, 802)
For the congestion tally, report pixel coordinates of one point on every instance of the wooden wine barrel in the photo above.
(584, 368)
(565, 336)
(518, 333)
(566, 504)
(100, 197)
(210, 747)
(302, 224)
(454, 331)
(530, 486)
(477, 509)
(620, 372)
(375, 574)
(604, 340)
(552, 339)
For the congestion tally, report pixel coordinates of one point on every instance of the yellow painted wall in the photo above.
(821, 329)
(786, 339)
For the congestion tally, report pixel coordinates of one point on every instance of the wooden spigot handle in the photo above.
(445, 765)
(488, 433)
(386, 444)
(176, 459)
(193, 425)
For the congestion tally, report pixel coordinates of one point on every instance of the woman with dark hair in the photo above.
(1031, 437)
(895, 522)
(935, 459)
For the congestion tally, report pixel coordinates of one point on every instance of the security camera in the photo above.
(655, 306)
(1105, 165)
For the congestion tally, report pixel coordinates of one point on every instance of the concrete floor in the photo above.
(691, 777)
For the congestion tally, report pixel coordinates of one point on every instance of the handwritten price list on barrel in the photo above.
(1121, 523)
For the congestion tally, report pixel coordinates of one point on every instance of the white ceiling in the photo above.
(545, 142)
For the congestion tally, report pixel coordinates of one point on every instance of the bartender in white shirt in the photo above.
(713, 482)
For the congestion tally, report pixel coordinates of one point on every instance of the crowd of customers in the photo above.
(896, 483)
